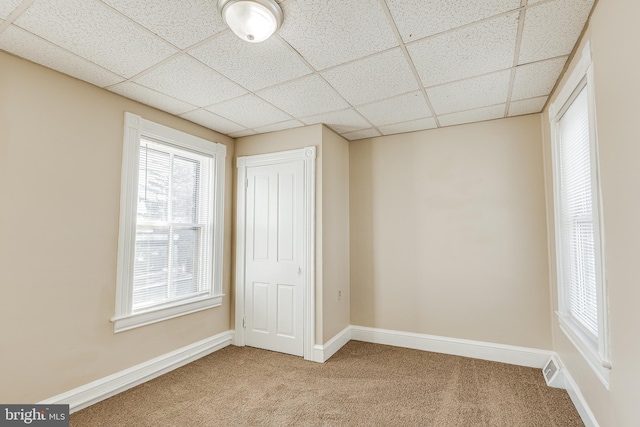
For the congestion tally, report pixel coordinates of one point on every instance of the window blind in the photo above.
(174, 222)
(577, 220)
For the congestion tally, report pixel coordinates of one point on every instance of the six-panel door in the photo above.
(273, 258)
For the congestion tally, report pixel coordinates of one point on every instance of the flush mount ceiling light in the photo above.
(251, 20)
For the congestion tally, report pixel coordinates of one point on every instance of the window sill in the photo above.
(124, 323)
(587, 348)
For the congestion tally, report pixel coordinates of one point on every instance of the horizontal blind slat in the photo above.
(172, 260)
(578, 240)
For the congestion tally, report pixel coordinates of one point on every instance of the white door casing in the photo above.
(275, 307)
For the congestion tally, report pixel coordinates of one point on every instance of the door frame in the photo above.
(308, 156)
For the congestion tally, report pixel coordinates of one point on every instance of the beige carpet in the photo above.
(361, 385)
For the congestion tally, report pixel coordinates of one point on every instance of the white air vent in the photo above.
(552, 374)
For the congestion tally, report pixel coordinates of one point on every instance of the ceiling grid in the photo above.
(364, 68)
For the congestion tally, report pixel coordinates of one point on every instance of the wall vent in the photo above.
(552, 374)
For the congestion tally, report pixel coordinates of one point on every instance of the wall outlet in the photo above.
(339, 294)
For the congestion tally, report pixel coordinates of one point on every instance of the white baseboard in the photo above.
(101, 389)
(577, 398)
(322, 353)
(86, 395)
(514, 355)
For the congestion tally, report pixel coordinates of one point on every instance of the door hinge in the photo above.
(247, 182)
(244, 322)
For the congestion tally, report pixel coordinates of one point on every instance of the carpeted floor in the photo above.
(361, 385)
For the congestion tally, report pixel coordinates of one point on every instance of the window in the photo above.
(581, 286)
(170, 243)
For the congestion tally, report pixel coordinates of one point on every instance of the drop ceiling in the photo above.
(362, 67)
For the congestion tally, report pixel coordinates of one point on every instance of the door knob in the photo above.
(299, 271)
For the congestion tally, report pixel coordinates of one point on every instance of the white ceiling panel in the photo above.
(527, 106)
(551, 29)
(340, 121)
(477, 115)
(361, 134)
(472, 93)
(402, 108)
(536, 79)
(93, 31)
(329, 33)
(151, 97)
(191, 81)
(471, 51)
(357, 66)
(304, 97)
(252, 65)
(24, 44)
(242, 133)
(410, 126)
(358, 84)
(8, 6)
(210, 120)
(416, 19)
(288, 124)
(182, 23)
(249, 111)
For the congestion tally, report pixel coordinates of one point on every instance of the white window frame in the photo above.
(136, 128)
(595, 352)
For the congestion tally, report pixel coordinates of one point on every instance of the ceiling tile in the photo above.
(249, 111)
(24, 44)
(340, 121)
(252, 65)
(304, 97)
(410, 126)
(212, 121)
(399, 109)
(376, 77)
(242, 133)
(350, 42)
(471, 51)
(151, 97)
(477, 115)
(191, 81)
(8, 6)
(527, 106)
(288, 124)
(536, 79)
(551, 29)
(471, 93)
(329, 33)
(182, 23)
(361, 134)
(416, 19)
(95, 32)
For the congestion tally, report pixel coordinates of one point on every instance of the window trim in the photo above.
(595, 352)
(136, 127)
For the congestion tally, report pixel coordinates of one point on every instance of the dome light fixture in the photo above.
(251, 20)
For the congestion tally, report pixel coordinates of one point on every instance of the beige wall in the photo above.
(60, 160)
(335, 239)
(612, 31)
(448, 233)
